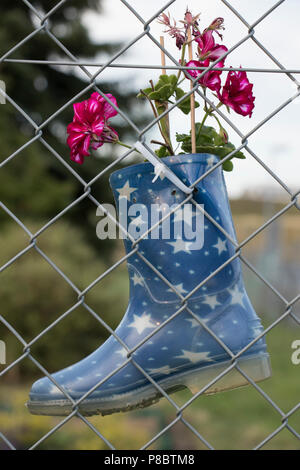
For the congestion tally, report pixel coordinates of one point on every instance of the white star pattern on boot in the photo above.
(221, 246)
(180, 245)
(194, 322)
(126, 191)
(210, 161)
(122, 351)
(195, 357)
(142, 322)
(211, 301)
(179, 288)
(160, 370)
(137, 280)
(257, 331)
(237, 296)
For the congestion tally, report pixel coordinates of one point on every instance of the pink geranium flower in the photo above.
(207, 48)
(210, 79)
(90, 126)
(237, 93)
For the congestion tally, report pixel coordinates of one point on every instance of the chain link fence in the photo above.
(42, 25)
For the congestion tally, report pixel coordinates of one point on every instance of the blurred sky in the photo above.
(277, 142)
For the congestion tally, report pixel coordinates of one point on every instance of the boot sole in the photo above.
(257, 367)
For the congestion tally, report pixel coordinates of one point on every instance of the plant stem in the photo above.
(124, 145)
(182, 59)
(208, 112)
(154, 111)
(162, 144)
(202, 123)
(218, 121)
(165, 130)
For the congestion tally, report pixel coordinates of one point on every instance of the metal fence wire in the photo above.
(42, 25)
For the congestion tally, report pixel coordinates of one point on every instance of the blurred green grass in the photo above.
(238, 419)
(33, 295)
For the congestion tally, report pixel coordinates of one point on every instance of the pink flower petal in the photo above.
(205, 42)
(90, 126)
(79, 111)
(98, 126)
(77, 158)
(75, 139)
(76, 127)
(217, 52)
(85, 146)
(237, 93)
(210, 79)
(108, 110)
(193, 73)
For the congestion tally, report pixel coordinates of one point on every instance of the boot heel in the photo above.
(257, 367)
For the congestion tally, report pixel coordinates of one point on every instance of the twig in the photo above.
(153, 109)
(163, 144)
(164, 72)
(162, 55)
(192, 97)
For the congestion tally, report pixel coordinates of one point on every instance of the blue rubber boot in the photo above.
(177, 342)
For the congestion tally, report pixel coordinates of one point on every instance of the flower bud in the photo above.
(223, 134)
(190, 20)
(216, 25)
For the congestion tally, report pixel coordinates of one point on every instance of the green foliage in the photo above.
(35, 183)
(252, 420)
(126, 431)
(162, 152)
(164, 90)
(209, 141)
(185, 105)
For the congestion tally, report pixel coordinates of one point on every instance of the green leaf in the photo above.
(154, 95)
(166, 86)
(173, 80)
(165, 92)
(164, 78)
(162, 152)
(228, 165)
(182, 137)
(185, 105)
(219, 141)
(240, 155)
(209, 141)
(147, 91)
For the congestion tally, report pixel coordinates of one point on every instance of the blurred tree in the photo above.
(33, 295)
(35, 184)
